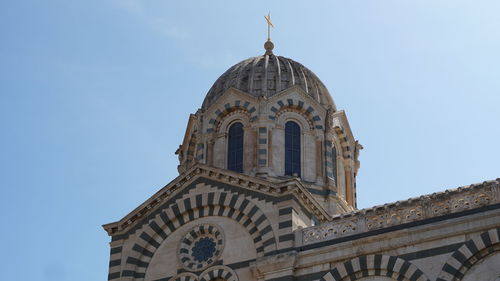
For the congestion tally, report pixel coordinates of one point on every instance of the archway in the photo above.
(232, 206)
(375, 265)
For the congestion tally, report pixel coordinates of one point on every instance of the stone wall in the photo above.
(261, 230)
(328, 149)
(451, 235)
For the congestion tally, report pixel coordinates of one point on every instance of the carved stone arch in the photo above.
(305, 125)
(309, 146)
(344, 142)
(233, 117)
(375, 265)
(220, 140)
(190, 208)
(190, 151)
(186, 276)
(242, 107)
(469, 254)
(290, 105)
(214, 273)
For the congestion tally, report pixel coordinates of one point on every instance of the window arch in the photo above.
(334, 164)
(235, 148)
(292, 148)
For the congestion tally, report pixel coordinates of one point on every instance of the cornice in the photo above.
(407, 211)
(289, 187)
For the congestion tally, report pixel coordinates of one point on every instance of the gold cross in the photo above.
(269, 25)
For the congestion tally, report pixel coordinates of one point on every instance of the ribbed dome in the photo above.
(268, 75)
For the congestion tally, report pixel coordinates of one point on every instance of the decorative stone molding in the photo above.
(284, 263)
(339, 125)
(221, 125)
(293, 186)
(215, 272)
(344, 141)
(190, 208)
(393, 217)
(201, 247)
(330, 230)
(185, 277)
(238, 106)
(470, 253)
(219, 272)
(282, 117)
(401, 212)
(375, 265)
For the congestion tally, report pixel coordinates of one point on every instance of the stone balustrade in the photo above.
(401, 212)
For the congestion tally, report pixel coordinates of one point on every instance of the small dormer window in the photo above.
(292, 149)
(235, 148)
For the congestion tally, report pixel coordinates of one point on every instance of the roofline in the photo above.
(287, 187)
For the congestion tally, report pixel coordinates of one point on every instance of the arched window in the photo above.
(235, 148)
(334, 163)
(292, 149)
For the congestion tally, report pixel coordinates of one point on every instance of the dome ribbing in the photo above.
(266, 76)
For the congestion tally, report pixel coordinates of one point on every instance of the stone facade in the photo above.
(211, 223)
(263, 93)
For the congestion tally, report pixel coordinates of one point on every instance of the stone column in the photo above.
(220, 152)
(319, 161)
(249, 144)
(278, 144)
(348, 187)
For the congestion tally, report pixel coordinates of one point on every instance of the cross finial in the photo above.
(269, 25)
(269, 46)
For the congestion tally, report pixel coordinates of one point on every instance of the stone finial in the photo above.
(269, 46)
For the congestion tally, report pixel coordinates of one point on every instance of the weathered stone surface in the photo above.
(212, 224)
(267, 76)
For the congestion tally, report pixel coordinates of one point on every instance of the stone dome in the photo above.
(266, 76)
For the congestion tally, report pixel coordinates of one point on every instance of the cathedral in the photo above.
(267, 191)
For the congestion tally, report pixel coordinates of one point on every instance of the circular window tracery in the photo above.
(201, 247)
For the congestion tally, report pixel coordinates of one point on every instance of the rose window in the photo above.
(200, 247)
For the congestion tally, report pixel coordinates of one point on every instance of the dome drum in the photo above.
(263, 97)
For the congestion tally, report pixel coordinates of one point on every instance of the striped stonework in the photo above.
(334, 164)
(223, 272)
(238, 106)
(329, 160)
(185, 277)
(235, 182)
(192, 207)
(375, 265)
(262, 147)
(285, 232)
(469, 254)
(190, 240)
(344, 143)
(190, 157)
(310, 115)
(115, 262)
(200, 153)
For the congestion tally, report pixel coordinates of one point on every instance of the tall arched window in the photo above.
(334, 164)
(235, 148)
(292, 149)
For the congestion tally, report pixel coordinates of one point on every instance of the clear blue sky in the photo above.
(95, 96)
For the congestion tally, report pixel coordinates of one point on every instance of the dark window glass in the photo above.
(292, 149)
(235, 148)
(334, 164)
